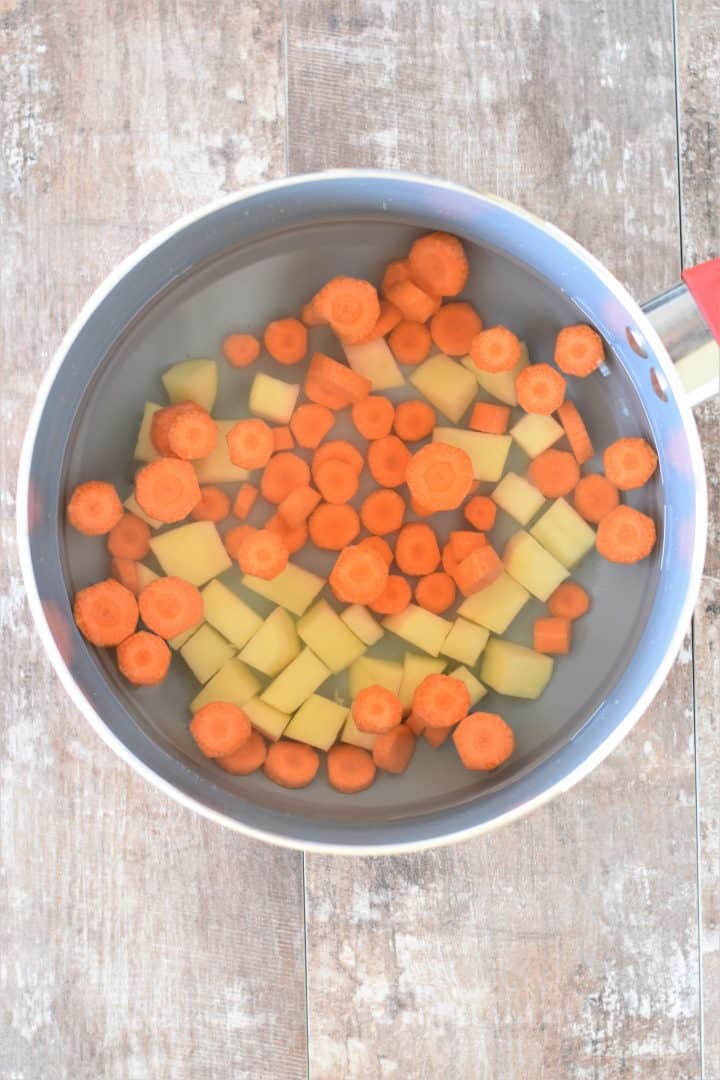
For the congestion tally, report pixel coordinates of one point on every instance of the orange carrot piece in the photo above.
(244, 501)
(336, 481)
(493, 419)
(569, 601)
(358, 576)
(552, 635)
(629, 463)
(416, 305)
(130, 538)
(575, 432)
(220, 729)
(438, 263)
(240, 350)
(167, 489)
(310, 317)
(338, 377)
(540, 389)
(381, 546)
(214, 505)
(250, 443)
(105, 613)
(293, 537)
(333, 527)
(449, 562)
(480, 511)
(435, 592)
(478, 570)
(262, 554)
(234, 537)
(126, 572)
(495, 349)
(441, 700)
(387, 461)
(143, 658)
(169, 606)
(350, 305)
(373, 417)
(410, 341)
(439, 476)
(483, 741)
(282, 439)
(192, 435)
(625, 535)
(286, 340)
(283, 473)
(454, 327)
(291, 764)
(416, 549)
(319, 394)
(416, 725)
(554, 473)
(382, 511)
(94, 508)
(394, 598)
(436, 736)
(420, 509)
(414, 420)
(246, 759)
(389, 316)
(297, 507)
(338, 450)
(594, 497)
(376, 709)
(579, 350)
(310, 424)
(162, 421)
(464, 541)
(396, 271)
(393, 750)
(350, 769)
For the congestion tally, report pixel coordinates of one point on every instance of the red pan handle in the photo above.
(703, 281)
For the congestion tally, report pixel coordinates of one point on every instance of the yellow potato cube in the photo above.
(234, 683)
(296, 682)
(193, 552)
(563, 533)
(144, 449)
(369, 671)
(514, 669)
(295, 588)
(496, 606)
(488, 453)
(518, 497)
(268, 721)
(272, 399)
(274, 644)
(446, 385)
(532, 566)
(500, 384)
(419, 627)
(317, 722)
(192, 380)
(351, 734)
(465, 641)
(375, 362)
(217, 468)
(415, 669)
(133, 506)
(230, 615)
(475, 687)
(534, 433)
(363, 625)
(206, 652)
(322, 629)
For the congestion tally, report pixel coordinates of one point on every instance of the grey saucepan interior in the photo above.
(227, 277)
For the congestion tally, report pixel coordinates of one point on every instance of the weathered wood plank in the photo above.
(567, 945)
(137, 940)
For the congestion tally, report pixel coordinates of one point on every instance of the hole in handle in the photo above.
(659, 384)
(636, 341)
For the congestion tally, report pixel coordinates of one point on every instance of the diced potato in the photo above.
(475, 687)
(192, 380)
(501, 384)
(532, 566)
(145, 575)
(144, 449)
(518, 497)
(465, 641)
(134, 507)
(415, 669)
(193, 552)
(322, 629)
(295, 588)
(363, 625)
(369, 671)
(268, 721)
(217, 468)
(514, 669)
(351, 734)
(446, 385)
(206, 652)
(272, 399)
(296, 682)
(234, 683)
(230, 615)
(563, 533)
(488, 453)
(375, 362)
(274, 644)
(179, 640)
(317, 722)
(420, 627)
(534, 433)
(496, 606)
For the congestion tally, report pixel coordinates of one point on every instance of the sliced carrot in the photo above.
(439, 476)
(381, 546)
(338, 378)
(167, 489)
(382, 511)
(94, 508)
(359, 575)
(338, 450)
(454, 327)
(441, 700)
(320, 395)
(336, 481)
(250, 444)
(449, 562)
(416, 305)
(416, 725)
(483, 741)
(162, 421)
(234, 537)
(220, 729)
(350, 305)
(579, 350)
(376, 709)
(438, 263)
(262, 554)
(389, 316)
(480, 511)
(291, 764)
(143, 658)
(393, 750)
(493, 419)
(130, 538)
(540, 389)
(464, 541)
(333, 527)
(410, 342)
(554, 473)
(297, 507)
(246, 759)
(495, 349)
(569, 601)
(310, 424)
(594, 497)
(414, 420)
(192, 435)
(420, 509)
(169, 606)
(286, 340)
(625, 535)
(629, 463)
(282, 439)
(283, 473)
(214, 505)
(240, 350)
(394, 598)
(396, 271)
(435, 592)
(105, 613)
(436, 736)
(387, 461)
(575, 432)
(350, 769)
(416, 549)
(244, 501)
(310, 317)
(373, 417)
(293, 537)
(552, 635)
(478, 570)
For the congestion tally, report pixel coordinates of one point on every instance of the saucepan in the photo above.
(260, 254)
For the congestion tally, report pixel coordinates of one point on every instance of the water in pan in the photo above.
(244, 290)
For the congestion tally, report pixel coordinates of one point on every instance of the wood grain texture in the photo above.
(566, 945)
(137, 940)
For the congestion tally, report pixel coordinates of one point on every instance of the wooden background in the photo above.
(137, 940)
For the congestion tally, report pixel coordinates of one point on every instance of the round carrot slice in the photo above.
(441, 700)
(336, 481)
(291, 764)
(246, 759)
(540, 389)
(554, 473)
(350, 305)
(629, 463)
(373, 417)
(333, 527)
(435, 592)
(439, 476)
(394, 598)
(94, 508)
(382, 511)
(438, 264)
(376, 709)
(129, 538)
(143, 658)
(192, 435)
(416, 549)
(359, 575)
(569, 601)
(483, 741)
(167, 489)
(263, 554)
(496, 349)
(170, 605)
(220, 728)
(625, 535)
(595, 497)
(106, 613)
(240, 350)
(350, 768)
(250, 444)
(283, 473)
(388, 461)
(286, 340)
(579, 350)
(162, 421)
(414, 420)
(454, 327)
